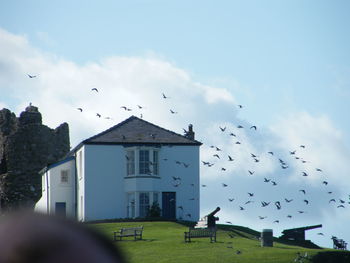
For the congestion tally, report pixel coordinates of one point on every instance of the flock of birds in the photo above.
(220, 156)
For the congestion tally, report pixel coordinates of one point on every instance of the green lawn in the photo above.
(164, 242)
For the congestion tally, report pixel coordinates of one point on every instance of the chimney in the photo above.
(190, 133)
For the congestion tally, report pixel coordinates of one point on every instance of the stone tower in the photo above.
(27, 146)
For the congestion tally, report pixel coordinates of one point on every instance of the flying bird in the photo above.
(270, 153)
(303, 191)
(173, 112)
(222, 128)
(253, 127)
(165, 97)
(231, 199)
(80, 109)
(31, 76)
(251, 172)
(288, 200)
(318, 170)
(94, 89)
(224, 185)
(306, 201)
(125, 108)
(305, 174)
(98, 115)
(240, 127)
(251, 194)
(217, 156)
(230, 158)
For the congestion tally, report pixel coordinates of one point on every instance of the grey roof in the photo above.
(138, 131)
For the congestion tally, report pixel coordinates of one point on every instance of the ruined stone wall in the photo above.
(26, 147)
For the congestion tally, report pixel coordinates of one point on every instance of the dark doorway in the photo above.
(169, 205)
(60, 209)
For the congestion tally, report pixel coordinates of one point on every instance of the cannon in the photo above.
(297, 234)
(211, 218)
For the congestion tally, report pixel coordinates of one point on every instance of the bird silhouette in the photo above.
(231, 199)
(306, 201)
(224, 185)
(230, 158)
(222, 128)
(266, 180)
(270, 153)
(303, 191)
(240, 127)
(173, 112)
(305, 174)
(253, 127)
(165, 97)
(288, 200)
(250, 172)
(80, 109)
(98, 115)
(251, 194)
(217, 156)
(125, 108)
(94, 89)
(318, 170)
(31, 76)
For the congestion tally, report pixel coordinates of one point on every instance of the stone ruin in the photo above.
(26, 147)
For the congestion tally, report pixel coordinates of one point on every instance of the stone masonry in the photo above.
(26, 147)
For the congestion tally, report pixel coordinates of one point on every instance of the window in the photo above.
(64, 176)
(155, 162)
(144, 162)
(143, 204)
(141, 161)
(130, 162)
(131, 205)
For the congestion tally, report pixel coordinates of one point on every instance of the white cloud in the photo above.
(61, 86)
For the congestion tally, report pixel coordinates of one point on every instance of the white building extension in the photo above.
(122, 171)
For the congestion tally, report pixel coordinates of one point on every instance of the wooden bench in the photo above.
(339, 243)
(135, 232)
(200, 232)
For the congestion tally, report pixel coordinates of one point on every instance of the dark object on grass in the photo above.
(297, 234)
(212, 218)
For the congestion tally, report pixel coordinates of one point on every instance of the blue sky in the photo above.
(287, 62)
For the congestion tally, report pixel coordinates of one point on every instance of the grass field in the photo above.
(164, 242)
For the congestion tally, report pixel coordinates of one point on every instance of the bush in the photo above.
(154, 211)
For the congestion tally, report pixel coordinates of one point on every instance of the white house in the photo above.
(122, 171)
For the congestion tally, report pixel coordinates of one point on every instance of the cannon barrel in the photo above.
(214, 212)
(303, 228)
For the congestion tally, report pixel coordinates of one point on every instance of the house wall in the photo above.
(104, 196)
(80, 187)
(105, 185)
(189, 187)
(54, 191)
(186, 188)
(62, 192)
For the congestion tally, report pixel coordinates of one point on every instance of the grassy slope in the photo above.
(164, 242)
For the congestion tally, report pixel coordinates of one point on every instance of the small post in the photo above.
(267, 238)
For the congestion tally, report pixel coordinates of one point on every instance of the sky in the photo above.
(286, 62)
